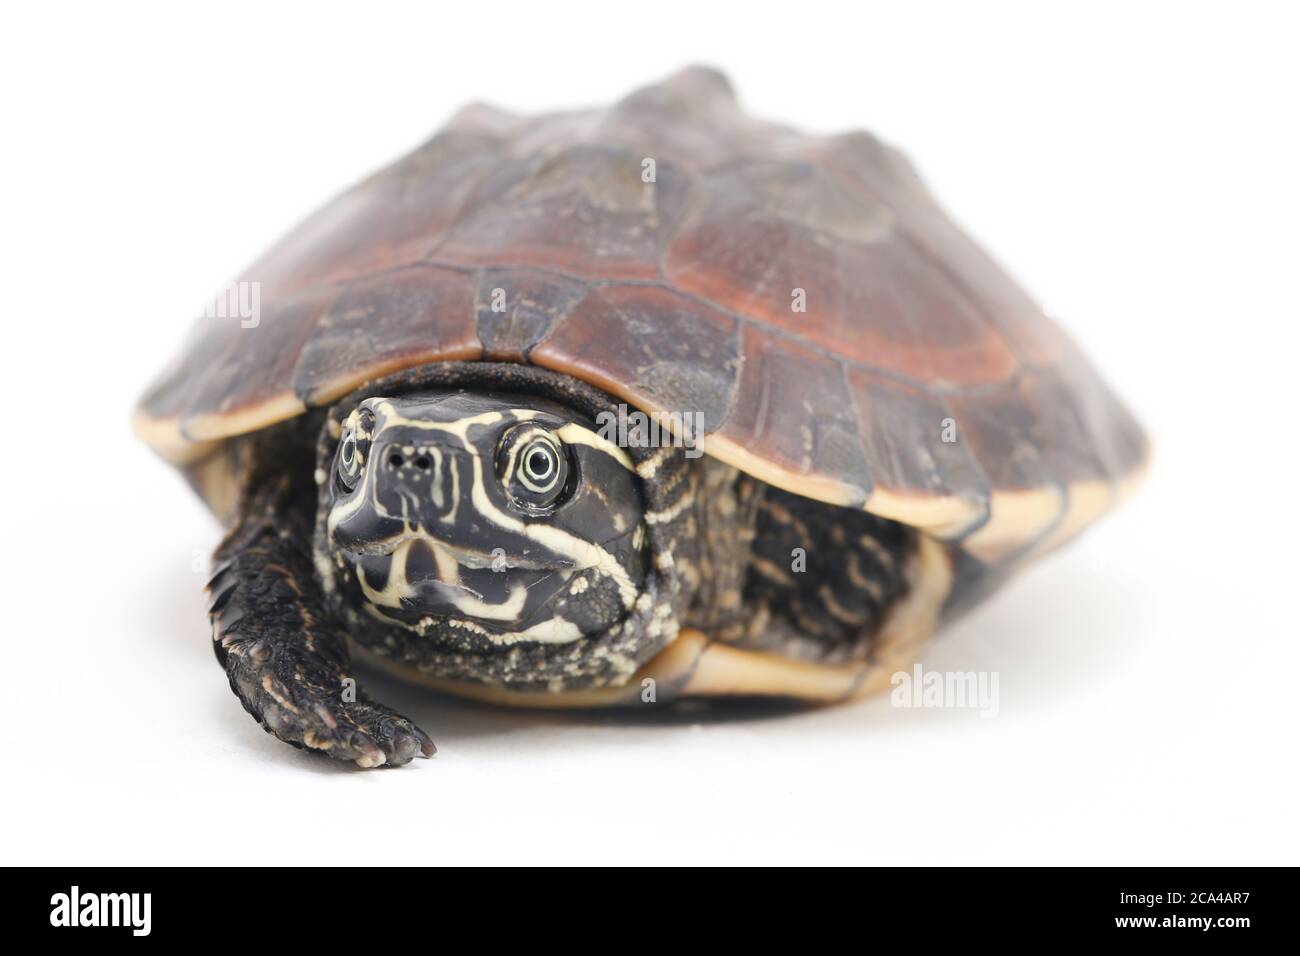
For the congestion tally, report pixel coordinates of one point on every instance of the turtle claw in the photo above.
(384, 738)
(362, 731)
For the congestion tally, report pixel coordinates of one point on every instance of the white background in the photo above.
(1135, 165)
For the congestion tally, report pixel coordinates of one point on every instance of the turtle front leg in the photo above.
(282, 649)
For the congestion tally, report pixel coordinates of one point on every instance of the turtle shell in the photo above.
(842, 339)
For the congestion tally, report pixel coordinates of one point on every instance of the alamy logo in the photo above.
(102, 909)
(958, 690)
(239, 300)
(629, 428)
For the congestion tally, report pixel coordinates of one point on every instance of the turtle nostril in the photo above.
(395, 460)
(422, 463)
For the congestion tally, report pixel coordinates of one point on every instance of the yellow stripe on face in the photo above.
(575, 434)
(458, 427)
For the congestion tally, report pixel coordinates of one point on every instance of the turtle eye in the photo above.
(349, 460)
(540, 471)
(533, 467)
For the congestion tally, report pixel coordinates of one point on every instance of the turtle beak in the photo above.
(429, 578)
(361, 531)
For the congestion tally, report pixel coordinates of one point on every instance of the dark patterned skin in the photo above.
(283, 649)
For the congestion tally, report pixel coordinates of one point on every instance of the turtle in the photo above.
(619, 407)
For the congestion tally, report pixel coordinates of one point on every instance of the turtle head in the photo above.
(487, 519)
